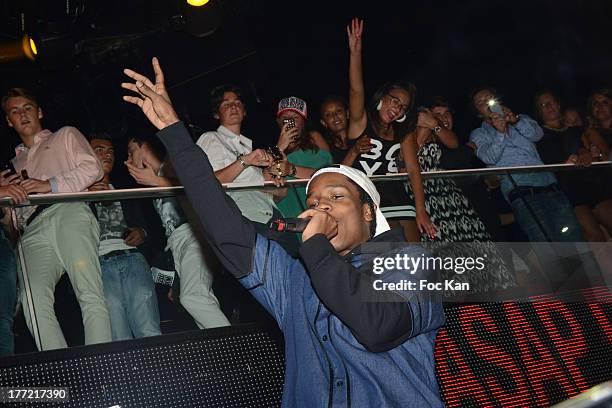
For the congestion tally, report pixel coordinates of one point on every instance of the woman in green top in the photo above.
(306, 150)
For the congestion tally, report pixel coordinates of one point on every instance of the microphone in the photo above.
(289, 224)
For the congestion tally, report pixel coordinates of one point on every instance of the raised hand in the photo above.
(144, 176)
(153, 98)
(320, 223)
(287, 137)
(427, 120)
(355, 31)
(510, 116)
(498, 122)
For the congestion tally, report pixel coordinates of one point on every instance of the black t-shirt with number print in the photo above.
(381, 160)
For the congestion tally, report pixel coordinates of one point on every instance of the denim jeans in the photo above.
(555, 213)
(8, 295)
(130, 296)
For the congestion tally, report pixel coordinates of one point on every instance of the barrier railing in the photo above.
(157, 192)
(160, 192)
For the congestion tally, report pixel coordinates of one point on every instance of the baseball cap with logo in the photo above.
(294, 104)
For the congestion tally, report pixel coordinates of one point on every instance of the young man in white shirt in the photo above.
(233, 159)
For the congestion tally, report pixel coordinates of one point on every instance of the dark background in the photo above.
(274, 49)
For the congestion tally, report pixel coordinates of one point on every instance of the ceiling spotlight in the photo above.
(197, 3)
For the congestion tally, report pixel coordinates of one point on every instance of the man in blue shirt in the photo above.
(506, 140)
(343, 345)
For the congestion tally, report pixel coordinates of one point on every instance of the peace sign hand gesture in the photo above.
(153, 98)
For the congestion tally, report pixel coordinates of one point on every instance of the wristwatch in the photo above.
(436, 130)
(244, 164)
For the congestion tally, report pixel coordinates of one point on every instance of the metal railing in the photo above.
(158, 192)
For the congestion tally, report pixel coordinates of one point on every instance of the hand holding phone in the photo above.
(10, 167)
(8, 174)
(289, 123)
(495, 107)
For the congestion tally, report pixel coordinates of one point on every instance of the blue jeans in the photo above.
(130, 296)
(555, 213)
(8, 295)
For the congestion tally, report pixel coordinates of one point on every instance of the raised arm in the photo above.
(357, 113)
(527, 127)
(427, 120)
(287, 137)
(489, 147)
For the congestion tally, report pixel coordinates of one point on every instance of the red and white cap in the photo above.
(292, 103)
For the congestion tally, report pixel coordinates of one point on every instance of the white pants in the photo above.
(194, 261)
(64, 237)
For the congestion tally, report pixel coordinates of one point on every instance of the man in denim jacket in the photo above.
(343, 346)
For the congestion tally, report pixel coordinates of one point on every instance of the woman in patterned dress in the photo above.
(449, 208)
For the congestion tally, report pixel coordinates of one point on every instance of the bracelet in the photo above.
(275, 152)
(242, 162)
(293, 170)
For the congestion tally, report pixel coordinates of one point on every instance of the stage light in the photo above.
(201, 21)
(491, 102)
(32, 46)
(18, 49)
(197, 3)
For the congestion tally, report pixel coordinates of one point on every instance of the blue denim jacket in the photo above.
(325, 364)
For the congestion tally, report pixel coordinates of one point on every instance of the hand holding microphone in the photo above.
(309, 223)
(289, 224)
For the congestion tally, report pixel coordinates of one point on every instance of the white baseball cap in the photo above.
(362, 181)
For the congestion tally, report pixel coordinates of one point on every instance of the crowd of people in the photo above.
(102, 245)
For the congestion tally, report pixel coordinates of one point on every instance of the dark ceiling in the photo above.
(273, 48)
